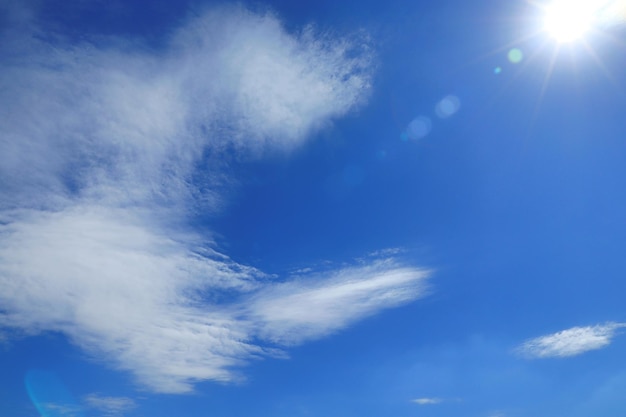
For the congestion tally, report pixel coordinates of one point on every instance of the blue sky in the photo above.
(312, 209)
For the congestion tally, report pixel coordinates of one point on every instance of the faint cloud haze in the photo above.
(427, 401)
(104, 154)
(109, 406)
(434, 400)
(64, 410)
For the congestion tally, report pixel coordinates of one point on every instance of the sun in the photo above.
(570, 20)
(567, 21)
(571, 26)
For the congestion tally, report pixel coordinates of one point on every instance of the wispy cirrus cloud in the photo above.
(571, 342)
(169, 313)
(110, 406)
(434, 400)
(427, 401)
(122, 125)
(105, 406)
(298, 310)
(106, 151)
(61, 410)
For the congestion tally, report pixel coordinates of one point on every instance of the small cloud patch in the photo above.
(110, 406)
(570, 342)
(427, 401)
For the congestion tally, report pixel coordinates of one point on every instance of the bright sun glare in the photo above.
(567, 21)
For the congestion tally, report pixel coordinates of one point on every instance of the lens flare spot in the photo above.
(49, 395)
(419, 128)
(497, 70)
(447, 107)
(516, 56)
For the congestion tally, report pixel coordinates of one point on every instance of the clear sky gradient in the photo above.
(316, 209)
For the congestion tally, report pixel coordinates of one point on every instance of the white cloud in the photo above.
(170, 314)
(571, 342)
(427, 401)
(64, 410)
(434, 400)
(110, 406)
(308, 308)
(104, 152)
(271, 86)
(121, 290)
(132, 127)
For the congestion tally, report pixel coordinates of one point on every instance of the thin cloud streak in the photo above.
(309, 308)
(427, 401)
(110, 406)
(434, 400)
(571, 342)
(62, 410)
(106, 152)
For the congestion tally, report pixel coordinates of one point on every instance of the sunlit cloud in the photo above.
(105, 153)
(571, 342)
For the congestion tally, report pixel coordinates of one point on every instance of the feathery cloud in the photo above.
(571, 342)
(104, 153)
(427, 401)
(295, 311)
(61, 410)
(110, 406)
